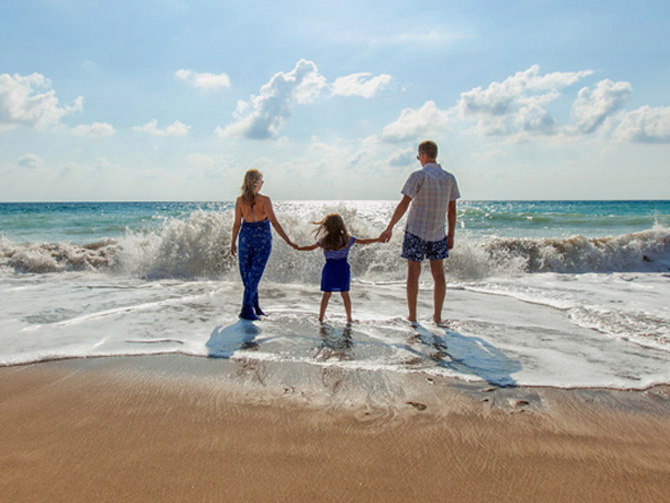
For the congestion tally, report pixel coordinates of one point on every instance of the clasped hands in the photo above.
(384, 237)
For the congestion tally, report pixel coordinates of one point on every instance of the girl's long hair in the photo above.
(251, 180)
(332, 232)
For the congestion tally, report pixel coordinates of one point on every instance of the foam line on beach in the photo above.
(126, 309)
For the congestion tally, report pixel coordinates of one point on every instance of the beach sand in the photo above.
(178, 428)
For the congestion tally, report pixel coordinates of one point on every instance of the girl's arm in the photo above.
(308, 247)
(236, 227)
(275, 223)
(367, 241)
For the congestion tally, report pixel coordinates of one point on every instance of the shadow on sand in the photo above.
(223, 342)
(467, 355)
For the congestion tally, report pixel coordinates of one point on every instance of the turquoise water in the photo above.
(91, 221)
(563, 218)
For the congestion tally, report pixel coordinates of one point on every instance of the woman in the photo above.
(253, 216)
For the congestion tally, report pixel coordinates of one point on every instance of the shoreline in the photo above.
(186, 428)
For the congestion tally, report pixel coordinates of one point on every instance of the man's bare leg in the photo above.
(413, 273)
(440, 289)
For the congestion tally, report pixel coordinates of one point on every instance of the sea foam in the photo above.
(198, 246)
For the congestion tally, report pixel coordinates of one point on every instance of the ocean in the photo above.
(540, 293)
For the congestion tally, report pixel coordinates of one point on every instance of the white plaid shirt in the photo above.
(431, 190)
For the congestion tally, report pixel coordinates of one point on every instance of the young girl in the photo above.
(333, 237)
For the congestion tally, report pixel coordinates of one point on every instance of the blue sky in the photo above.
(174, 100)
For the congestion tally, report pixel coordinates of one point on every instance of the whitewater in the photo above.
(565, 294)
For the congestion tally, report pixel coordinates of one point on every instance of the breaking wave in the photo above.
(198, 246)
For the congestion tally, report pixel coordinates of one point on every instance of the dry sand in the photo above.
(114, 431)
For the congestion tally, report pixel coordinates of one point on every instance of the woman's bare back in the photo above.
(256, 213)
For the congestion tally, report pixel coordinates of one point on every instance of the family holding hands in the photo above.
(430, 194)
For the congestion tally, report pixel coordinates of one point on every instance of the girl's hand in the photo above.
(233, 250)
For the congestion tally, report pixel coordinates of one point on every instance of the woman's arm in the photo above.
(308, 247)
(273, 220)
(236, 227)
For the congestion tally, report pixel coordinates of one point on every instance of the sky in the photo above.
(175, 100)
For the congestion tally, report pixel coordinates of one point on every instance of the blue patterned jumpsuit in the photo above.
(255, 245)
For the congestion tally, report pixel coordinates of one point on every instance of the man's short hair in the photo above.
(429, 148)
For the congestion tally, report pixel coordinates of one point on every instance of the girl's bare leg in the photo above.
(324, 305)
(347, 305)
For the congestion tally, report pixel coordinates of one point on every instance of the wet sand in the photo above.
(177, 428)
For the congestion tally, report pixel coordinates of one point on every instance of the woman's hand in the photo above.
(233, 250)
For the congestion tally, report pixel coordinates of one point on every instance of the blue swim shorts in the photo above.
(416, 249)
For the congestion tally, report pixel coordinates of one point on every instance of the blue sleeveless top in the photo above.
(340, 254)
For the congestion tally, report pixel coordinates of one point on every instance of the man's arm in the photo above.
(451, 220)
(397, 215)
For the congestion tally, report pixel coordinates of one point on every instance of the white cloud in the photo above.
(360, 84)
(220, 132)
(21, 103)
(415, 123)
(516, 105)
(207, 81)
(403, 157)
(102, 164)
(645, 125)
(95, 130)
(175, 129)
(593, 107)
(488, 155)
(208, 161)
(31, 161)
(266, 113)
(211, 168)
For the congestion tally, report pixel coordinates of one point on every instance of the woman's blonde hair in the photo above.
(252, 178)
(333, 232)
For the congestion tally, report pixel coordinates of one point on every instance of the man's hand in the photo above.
(385, 236)
(450, 241)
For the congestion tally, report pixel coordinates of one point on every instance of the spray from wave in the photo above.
(197, 246)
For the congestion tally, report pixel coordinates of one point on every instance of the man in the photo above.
(430, 194)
